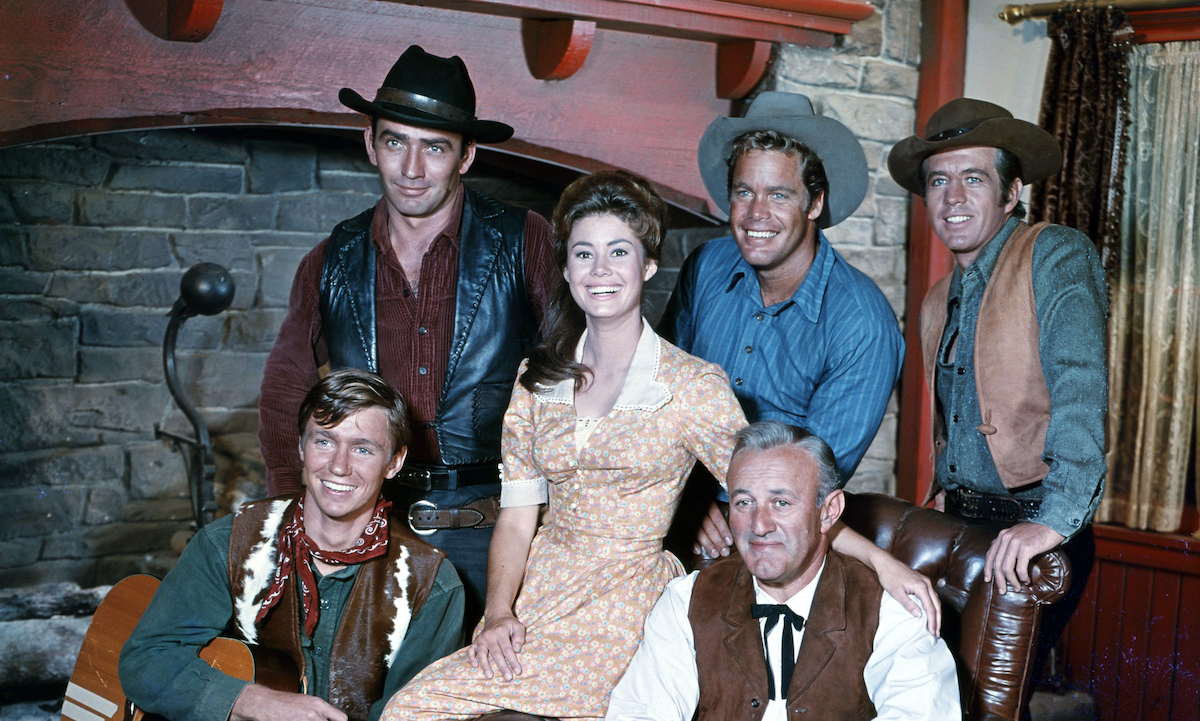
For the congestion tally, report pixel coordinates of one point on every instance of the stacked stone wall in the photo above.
(868, 81)
(95, 235)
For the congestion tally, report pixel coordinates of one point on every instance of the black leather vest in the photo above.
(494, 325)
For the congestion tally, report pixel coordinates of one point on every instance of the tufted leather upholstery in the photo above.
(993, 636)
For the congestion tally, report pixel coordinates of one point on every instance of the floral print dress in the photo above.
(596, 566)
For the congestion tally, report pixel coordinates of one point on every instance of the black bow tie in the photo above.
(773, 612)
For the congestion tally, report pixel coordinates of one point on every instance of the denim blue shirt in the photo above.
(825, 360)
(1071, 298)
(161, 672)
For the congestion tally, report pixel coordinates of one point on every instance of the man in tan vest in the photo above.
(1014, 344)
(789, 625)
(327, 577)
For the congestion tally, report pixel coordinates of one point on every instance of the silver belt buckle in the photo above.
(421, 504)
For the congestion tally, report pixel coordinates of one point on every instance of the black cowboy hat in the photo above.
(429, 92)
(791, 115)
(966, 123)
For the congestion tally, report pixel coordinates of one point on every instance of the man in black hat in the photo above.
(1013, 341)
(438, 288)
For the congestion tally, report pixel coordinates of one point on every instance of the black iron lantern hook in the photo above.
(206, 289)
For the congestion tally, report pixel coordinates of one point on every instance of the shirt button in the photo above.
(324, 604)
(737, 381)
(749, 349)
(955, 418)
(423, 371)
(316, 650)
(953, 468)
(759, 315)
(753, 703)
(961, 370)
(422, 330)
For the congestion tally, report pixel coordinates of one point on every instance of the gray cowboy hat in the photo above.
(429, 92)
(791, 115)
(965, 123)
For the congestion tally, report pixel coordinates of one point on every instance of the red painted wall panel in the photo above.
(1134, 642)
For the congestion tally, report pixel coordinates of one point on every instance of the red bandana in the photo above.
(296, 551)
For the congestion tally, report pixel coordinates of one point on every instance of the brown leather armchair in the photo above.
(993, 636)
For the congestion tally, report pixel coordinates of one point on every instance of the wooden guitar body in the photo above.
(95, 694)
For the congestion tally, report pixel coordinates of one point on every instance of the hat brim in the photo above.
(1036, 150)
(839, 151)
(482, 131)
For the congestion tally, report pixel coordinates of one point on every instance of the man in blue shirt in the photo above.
(806, 338)
(1014, 344)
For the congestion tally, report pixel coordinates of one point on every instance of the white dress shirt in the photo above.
(910, 674)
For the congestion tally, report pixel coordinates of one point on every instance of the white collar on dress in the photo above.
(642, 389)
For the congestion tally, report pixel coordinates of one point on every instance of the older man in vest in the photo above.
(329, 578)
(789, 626)
(438, 288)
(1014, 344)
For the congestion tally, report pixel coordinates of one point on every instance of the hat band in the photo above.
(947, 134)
(424, 104)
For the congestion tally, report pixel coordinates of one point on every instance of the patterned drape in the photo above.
(1085, 107)
(1154, 322)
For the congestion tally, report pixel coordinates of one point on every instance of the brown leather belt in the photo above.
(424, 517)
(992, 507)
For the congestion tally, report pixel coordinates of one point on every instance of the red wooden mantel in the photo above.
(558, 33)
(634, 86)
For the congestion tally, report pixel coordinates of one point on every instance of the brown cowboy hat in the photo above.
(429, 92)
(792, 115)
(965, 123)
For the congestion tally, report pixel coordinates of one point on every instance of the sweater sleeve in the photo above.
(290, 372)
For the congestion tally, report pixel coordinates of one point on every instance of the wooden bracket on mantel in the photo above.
(187, 21)
(740, 65)
(556, 49)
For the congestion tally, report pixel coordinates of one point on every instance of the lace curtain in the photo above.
(1154, 323)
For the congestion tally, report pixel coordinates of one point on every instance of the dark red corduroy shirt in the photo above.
(414, 334)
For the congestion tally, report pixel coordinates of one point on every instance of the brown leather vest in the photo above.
(839, 636)
(1013, 398)
(373, 623)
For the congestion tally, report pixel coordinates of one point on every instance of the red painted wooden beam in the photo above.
(1165, 26)
(713, 20)
(740, 65)
(943, 59)
(556, 49)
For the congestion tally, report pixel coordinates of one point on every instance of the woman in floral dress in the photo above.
(605, 424)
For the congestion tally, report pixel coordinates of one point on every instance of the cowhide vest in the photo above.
(388, 591)
(839, 635)
(494, 325)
